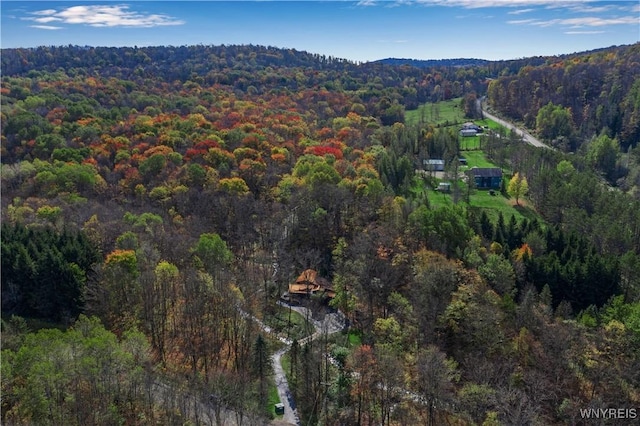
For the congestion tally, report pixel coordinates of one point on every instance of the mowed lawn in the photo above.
(444, 112)
(451, 113)
(477, 159)
(438, 113)
(482, 199)
(493, 205)
(475, 142)
(469, 143)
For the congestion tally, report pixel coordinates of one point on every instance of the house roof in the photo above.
(433, 161)
(309, 282)
(485, 172)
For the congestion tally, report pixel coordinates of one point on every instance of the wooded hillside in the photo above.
(158, 201)
(600, 90)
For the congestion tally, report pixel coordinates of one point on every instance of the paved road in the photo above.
(526, 136)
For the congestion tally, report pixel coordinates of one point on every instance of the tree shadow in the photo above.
(526, 212)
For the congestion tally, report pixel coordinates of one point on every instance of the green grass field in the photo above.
(451, 113)
(469, 144)
(490, 124)
(492, 204)
(437, 113)
(445, 112)
(351, 340)
(474, 142)
(477, 159)
(286, 364)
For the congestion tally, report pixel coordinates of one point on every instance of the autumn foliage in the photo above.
(173, 193)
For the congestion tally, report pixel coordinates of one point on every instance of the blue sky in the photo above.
(356, 30)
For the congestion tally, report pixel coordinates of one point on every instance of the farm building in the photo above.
(433, 165)
(465, 133)
(471, 126)
(470, 129)
(486, 178)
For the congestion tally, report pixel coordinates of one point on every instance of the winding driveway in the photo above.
(290, 412)
(331, 323)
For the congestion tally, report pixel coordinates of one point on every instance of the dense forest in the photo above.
(157, 202)
(582, 95)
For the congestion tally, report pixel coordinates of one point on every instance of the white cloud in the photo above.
(103, 16)
(399, 3)
(525, 6)
(46, 19)
(583, 32)
(44, 12)
(588, 21)
(46, 27)
(584, 8)
(383, 3)
(523, 21)
(520, 11)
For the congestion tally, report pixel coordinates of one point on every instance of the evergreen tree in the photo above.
(44, 273)
(500, 230)
(261, 366)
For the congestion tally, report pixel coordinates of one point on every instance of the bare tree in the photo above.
(435, 375)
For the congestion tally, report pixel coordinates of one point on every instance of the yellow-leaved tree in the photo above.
(518, 187)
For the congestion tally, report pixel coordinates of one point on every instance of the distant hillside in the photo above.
(599, 90)
(247, 67)
(427, 63)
